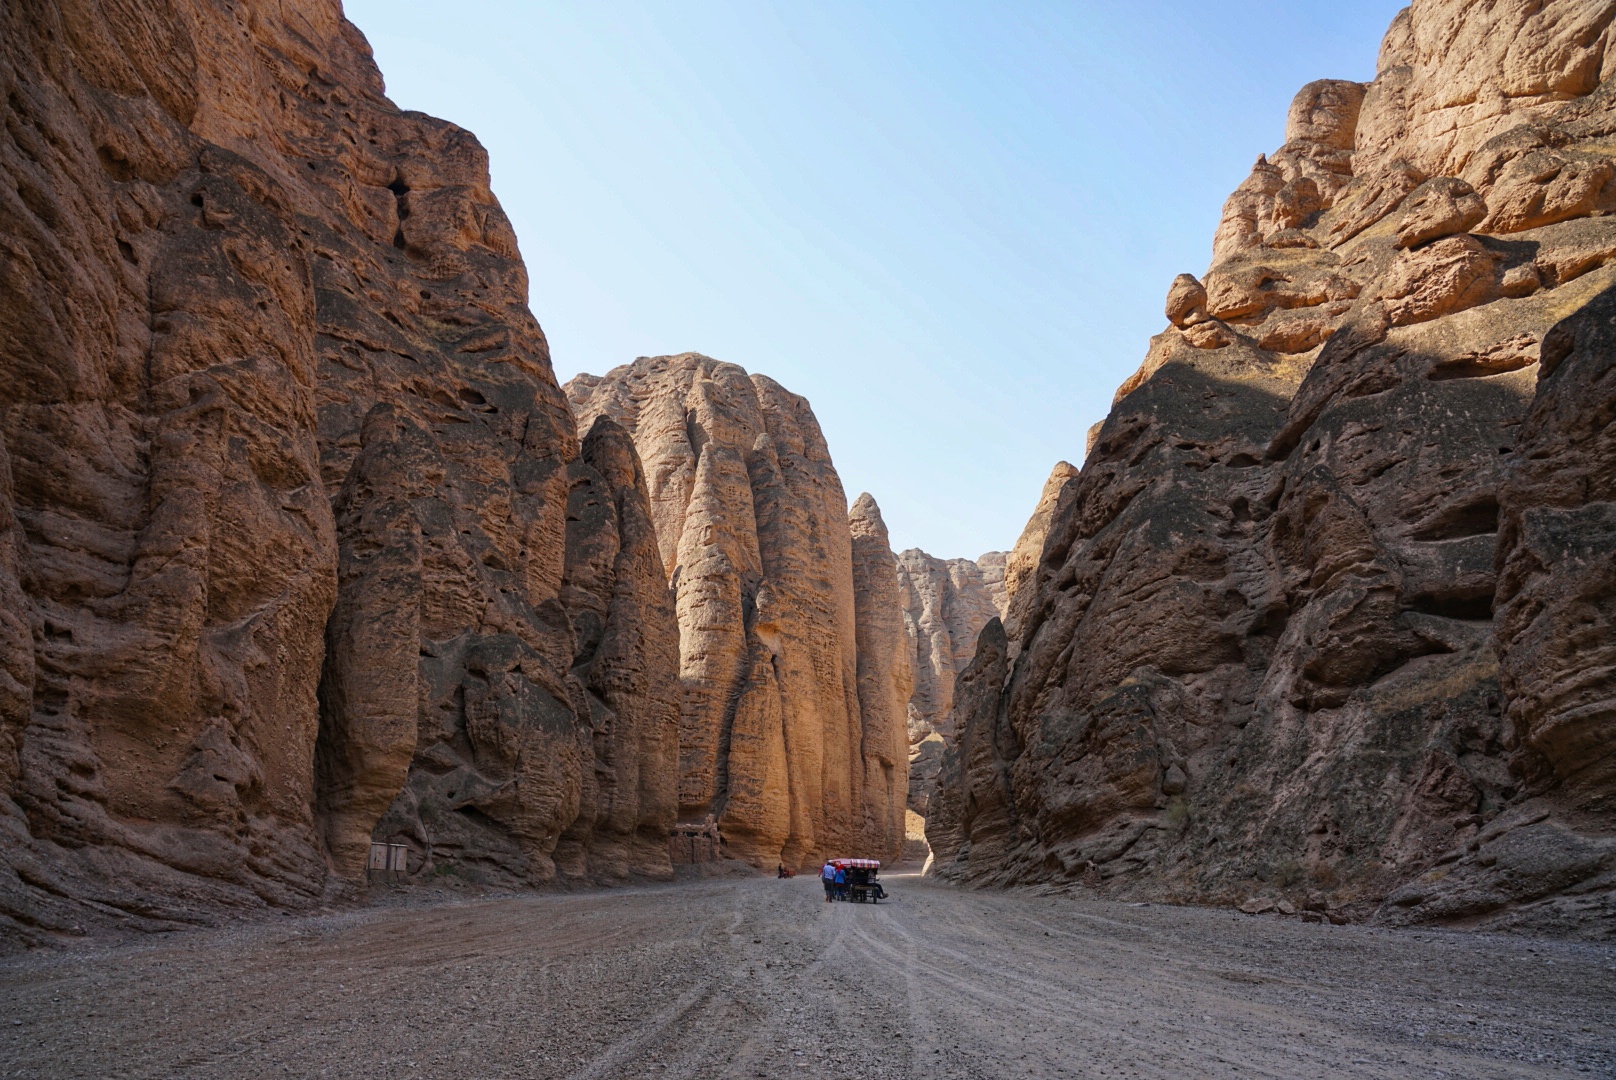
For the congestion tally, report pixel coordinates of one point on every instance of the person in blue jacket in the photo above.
(841, 883)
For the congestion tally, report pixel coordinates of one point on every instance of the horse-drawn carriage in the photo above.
(862, 885)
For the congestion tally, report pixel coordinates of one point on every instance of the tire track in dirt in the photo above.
(759, 978)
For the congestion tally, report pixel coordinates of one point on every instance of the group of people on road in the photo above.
(835, 880)
(852, 879)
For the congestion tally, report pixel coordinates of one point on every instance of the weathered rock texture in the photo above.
(946, 602)
(1021, 564)
(886, 678)
(1328, 613)
(298, 544)
(795, 678)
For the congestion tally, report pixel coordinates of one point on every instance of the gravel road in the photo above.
(760, 978)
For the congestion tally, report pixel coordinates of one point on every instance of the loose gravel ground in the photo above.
(761, 978)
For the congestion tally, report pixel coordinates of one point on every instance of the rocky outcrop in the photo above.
(1021, 563)
(1325, 616)
(946, 602)
(886, 678)
(787, 625)
(299, 548)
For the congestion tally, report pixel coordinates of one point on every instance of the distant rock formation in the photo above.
(791, 728)
(1329, 612)
(946, 602)
(886, 678)
(299, 547)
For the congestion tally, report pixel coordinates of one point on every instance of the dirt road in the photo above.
(761, 978)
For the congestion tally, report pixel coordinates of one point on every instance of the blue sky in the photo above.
(951, 226)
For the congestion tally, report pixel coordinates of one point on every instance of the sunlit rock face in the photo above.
(299, 546)
(886, 678)
(1327, 613)
(946, 602)
(792, 727)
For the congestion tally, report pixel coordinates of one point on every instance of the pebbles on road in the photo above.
(761, 978)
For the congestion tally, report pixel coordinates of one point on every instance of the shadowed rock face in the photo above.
(298, 544)
(791, 730)
(946, 602)
(1327, 612)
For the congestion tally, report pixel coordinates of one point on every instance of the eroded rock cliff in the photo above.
(299, 547)
(946, 602)
(886, 678)
(792, 730)
(1327, 614)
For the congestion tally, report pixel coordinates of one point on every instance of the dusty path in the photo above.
(761, 978)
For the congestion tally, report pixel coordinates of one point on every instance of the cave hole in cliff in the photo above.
(1271, 621)
(115, 164)
(1477, 368)
(401, 192)
(1473, 604)
(1473, 517)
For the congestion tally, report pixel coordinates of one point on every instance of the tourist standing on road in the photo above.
(841, 883)
(828, 876)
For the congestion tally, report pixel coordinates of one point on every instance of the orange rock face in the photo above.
(299, 548)
(1326, 611)
(794, 678)
(886, 678)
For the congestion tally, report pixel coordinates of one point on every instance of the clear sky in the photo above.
(950, 225)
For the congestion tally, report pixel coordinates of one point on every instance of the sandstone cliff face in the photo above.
(886, 678)
(1327, 612)
(298, 544)
(946, 602)
(791, 732)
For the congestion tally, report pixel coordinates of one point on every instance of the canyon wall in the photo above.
(299, 547)
(946, 602)
(792, 734)
(1327, 615)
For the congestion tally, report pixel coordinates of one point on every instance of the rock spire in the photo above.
(787, 606)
